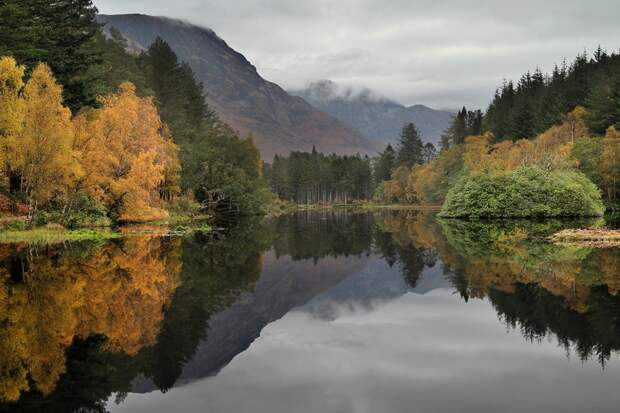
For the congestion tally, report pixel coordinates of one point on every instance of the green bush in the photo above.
(83, 212)
(185, 206)
(17, 225)
(527, 192)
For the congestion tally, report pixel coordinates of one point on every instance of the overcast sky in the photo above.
(443, 53)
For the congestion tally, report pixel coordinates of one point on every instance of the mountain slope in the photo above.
(379, 119)
(239, 95)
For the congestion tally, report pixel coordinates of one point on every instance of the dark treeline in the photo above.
(311, 177)
(538, 101)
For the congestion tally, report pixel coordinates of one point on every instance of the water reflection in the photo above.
(82, 323)
(51, 297)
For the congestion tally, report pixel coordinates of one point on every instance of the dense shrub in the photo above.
(527, 192)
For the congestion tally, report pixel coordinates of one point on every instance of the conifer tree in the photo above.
(61, 33)
(600, 103)
(385, 164)
(410, 147)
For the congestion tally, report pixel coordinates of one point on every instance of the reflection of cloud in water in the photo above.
(421, 353)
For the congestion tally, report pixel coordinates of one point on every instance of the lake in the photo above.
(340, 311)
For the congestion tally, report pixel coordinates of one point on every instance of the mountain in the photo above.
(278, 121)
(379, 119)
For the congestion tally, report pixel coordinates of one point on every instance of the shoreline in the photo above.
(176, 225)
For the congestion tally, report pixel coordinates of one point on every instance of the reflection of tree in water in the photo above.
(396, 239)
(538, 287)
(316, 235)
(215, 271)
(116, 290)
(538, 313)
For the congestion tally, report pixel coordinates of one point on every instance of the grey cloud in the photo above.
(441, 53)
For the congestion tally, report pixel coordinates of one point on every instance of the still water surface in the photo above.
(315, 312)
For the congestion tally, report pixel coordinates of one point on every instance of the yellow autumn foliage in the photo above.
(37, 131)
(11, 104)
(126, 159)
(120, 155)
(428, 183)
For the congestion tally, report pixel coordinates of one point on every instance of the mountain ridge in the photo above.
(278, 122)
(380, 119)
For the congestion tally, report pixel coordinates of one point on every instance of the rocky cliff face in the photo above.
(240, 96)
(379, 119)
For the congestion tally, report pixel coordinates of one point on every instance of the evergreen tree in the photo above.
(179, 96)
(474, 123)
(465, 123)
(385, 164)
(410, 147)
(119, 66)
(615, 104)
(497, 118)
(600, 104)
(522, 121)
(311, 177)
(23, 31)
(429, 152)
(61, 33)
(539, 101)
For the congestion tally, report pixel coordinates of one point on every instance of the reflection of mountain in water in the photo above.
(283, 285)
(433, 278)
(376, 283)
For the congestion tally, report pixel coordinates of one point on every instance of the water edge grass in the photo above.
(55, 235)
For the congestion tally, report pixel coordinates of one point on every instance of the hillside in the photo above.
(278, 121)
(379, 119)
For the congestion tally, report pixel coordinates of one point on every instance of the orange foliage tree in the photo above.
(120, 155)
(127, 161)
(37, 133)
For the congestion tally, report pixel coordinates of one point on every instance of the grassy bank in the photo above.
(14, 229)
(41, 236)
